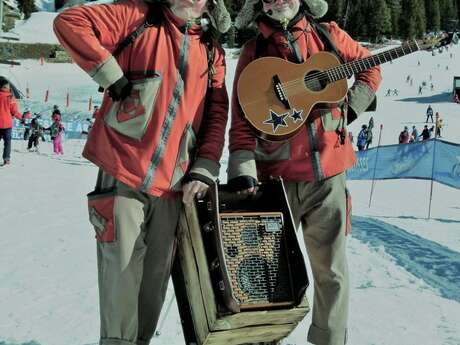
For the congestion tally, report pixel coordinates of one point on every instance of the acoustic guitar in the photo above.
(277, 95)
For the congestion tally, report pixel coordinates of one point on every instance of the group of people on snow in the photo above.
(406, 137)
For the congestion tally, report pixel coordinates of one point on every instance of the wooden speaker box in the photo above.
(239, 275)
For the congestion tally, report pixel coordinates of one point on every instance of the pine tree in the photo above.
(412, 21)
(381, 23)
(433, 16)
(27, 7)
(395, 10)
(448, 14)
(357, 25)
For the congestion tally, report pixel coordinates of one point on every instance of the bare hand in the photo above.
(191, 189)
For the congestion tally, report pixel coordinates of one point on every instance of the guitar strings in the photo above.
(344, 70)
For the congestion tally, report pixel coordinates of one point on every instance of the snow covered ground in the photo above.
(405, 269)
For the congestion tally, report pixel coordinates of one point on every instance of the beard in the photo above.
(287, 11)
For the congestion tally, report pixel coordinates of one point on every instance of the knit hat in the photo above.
(248, 13)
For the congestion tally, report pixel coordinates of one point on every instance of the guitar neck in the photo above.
(354, 67)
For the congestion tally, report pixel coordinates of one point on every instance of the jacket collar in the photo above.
(269, 27)
(181, 24)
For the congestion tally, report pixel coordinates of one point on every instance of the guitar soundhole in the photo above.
(315, 81)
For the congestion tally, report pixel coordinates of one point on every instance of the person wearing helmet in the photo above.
(157, 139)
(313, 162)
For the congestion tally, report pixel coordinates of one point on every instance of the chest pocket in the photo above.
(131, 116)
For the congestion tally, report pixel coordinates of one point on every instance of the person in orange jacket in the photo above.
(158, 136)
(313, 162)
(8, 110)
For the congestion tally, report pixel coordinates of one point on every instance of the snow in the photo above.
(32, 30)
(405, 268)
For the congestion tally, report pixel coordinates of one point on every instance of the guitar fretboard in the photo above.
(348, 69)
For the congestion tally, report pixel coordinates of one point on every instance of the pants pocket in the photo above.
(348, 201)
(101, 215)
(131, 116)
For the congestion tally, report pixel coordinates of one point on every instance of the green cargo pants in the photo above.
(136, 236)
(321, 208)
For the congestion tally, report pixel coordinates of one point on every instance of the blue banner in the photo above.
(429, 159)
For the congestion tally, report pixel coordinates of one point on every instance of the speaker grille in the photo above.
(256, 259)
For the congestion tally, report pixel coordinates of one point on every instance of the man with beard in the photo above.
(313, 162)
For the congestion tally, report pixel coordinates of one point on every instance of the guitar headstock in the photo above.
(432, 42)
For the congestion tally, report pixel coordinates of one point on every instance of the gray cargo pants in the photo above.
(136, 236)
(321, 208)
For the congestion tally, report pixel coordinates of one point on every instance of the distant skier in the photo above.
(439, 125)
(388, 93)
(429, 114)
(56, 113)
(395, 92)
(362, 138)
(420, 88)
(413, 135)
(404, 136)
(25, 121)
(8, 110)
(36, 132)
(56, 131)
(369, 134)
(426, 133)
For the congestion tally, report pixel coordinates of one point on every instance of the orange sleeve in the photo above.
(14, 109)
(351, 50)
(90, 33)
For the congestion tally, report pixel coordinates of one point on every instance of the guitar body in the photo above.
(277, 96)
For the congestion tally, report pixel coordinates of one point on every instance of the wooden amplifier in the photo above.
(239, 274)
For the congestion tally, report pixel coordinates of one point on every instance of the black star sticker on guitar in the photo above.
(297, 115)
(276, 120)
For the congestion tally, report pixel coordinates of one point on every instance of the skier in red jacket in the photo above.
(8, 110)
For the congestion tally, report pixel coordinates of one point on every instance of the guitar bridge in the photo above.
(279, 92)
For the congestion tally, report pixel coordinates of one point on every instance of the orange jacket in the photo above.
(322, 147)
(8, 109)
(153, 138)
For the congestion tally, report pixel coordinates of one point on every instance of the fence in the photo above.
(433, 159)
